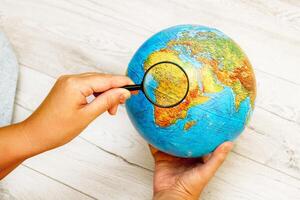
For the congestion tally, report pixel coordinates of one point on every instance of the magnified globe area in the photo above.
(165, 84)
(221, 94)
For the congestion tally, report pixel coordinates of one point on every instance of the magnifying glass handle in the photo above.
(127, 87)
(132, 87)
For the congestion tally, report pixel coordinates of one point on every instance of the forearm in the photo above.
(14, 146)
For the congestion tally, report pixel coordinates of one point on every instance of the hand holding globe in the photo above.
(184, 178)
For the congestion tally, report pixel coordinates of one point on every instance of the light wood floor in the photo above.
(109, 160)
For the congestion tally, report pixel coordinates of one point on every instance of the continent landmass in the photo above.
(173, 84)
(226, 65)
(227, 61)
(189, 124)
(167, 116)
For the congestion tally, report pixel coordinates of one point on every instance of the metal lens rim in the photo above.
(187, 89)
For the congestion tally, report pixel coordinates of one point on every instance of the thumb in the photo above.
(215, 161)
(107, 100)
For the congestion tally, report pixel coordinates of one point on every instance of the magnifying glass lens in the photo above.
(165, 84)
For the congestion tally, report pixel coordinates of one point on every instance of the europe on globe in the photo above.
(220, 98)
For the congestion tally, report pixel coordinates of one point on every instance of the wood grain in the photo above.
(25, 183)
(63, 36)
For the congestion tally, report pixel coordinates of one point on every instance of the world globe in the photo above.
(220, 97)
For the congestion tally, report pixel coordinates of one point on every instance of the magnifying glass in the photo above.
(165, 84)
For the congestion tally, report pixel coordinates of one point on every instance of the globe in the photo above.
(220, 98)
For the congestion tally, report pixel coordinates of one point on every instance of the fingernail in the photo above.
(122, 98)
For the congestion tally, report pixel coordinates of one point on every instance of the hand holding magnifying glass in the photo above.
(170, 72)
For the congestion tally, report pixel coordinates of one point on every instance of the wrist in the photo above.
(30, 135)
(28, 149)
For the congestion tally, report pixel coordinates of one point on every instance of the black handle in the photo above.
(127, 87)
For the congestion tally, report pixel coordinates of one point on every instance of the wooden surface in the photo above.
(109, 160)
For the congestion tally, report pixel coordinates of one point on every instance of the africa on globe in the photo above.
(220, 98)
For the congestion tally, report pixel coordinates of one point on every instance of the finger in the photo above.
(161, 156)
(216, 159)
(106, 101)
(134, 92)
(113, 110)
(103, 82)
